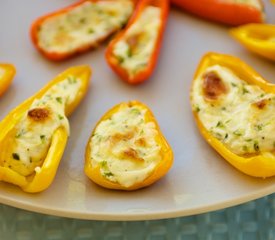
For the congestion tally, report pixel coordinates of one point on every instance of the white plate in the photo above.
(199, 181)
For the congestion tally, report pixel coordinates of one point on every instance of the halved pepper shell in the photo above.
(142, 75)
(55, 56)
(226, 12)
(258, 38)
(93, 172)
(41, 180)
(260, 165)
(6, 79)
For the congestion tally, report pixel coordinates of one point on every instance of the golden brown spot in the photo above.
(260, 104)
(133, 41)
(121, 137)
(213, 86)
(132, 154)
(39, 114)
(141, 142)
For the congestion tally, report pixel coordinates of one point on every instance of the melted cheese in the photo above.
(85, 25)
(253, 3)
(124, 146)
(135, 49)
(243, 118)
(32, 138)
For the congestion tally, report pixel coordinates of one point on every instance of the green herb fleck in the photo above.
(226, 136)
(60, 117)
(71, 79)
(259, 127)
(82, 20)
(256, 146)
(43, 138)
(197, 109)
(245, 90)
(108, 174)
(59, 99)
(238, 133)
(16, 156)
(103, 164)
(245, 148)
(220, 124)
(135, 111)
(233, 84)
(90, 30)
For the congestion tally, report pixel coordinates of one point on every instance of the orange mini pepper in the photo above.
(258, 38)
(7, 72)
(133, 53)
(260, 164)
(230, 12)
(117, 158)
(79, 27)
(43, 175)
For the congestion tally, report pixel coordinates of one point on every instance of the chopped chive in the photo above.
(256, 146)
(220, 124)
(16, 156)
(59, 99)
(245, 90)
(82, 20)
(108, 174)
(238, 133)
(42, 137)
(90, 30)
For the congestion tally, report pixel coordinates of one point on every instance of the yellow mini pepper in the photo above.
(258, 38)
(7, 72)
(126, 139)
(262, 164)
(41, 179)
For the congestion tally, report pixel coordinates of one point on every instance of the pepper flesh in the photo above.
(258, 38)
(6, 77)
(57, 56)
(40, 180)
(226, 12)
(145, 73)
(261, 164)
(94, 173)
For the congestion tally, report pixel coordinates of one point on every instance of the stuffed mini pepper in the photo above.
(258, 38)
(79, 27)
(33, 136)
(7, 72)
(234, 110)
(126, 150)
(230, 12)
(134, 52)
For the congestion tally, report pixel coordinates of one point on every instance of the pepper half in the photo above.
(258, 38)
(230, 12)
(43, 175)
(79, 27)
(126, 150)
(7, 72)
(133, 53)
(260, 163)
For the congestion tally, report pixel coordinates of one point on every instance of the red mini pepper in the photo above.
(138, 37)
(230, 12)
(67, 35)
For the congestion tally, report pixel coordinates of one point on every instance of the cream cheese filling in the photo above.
(33, 136)
(243, 119)
(124, 146)
(83, 26)
(135, 49)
